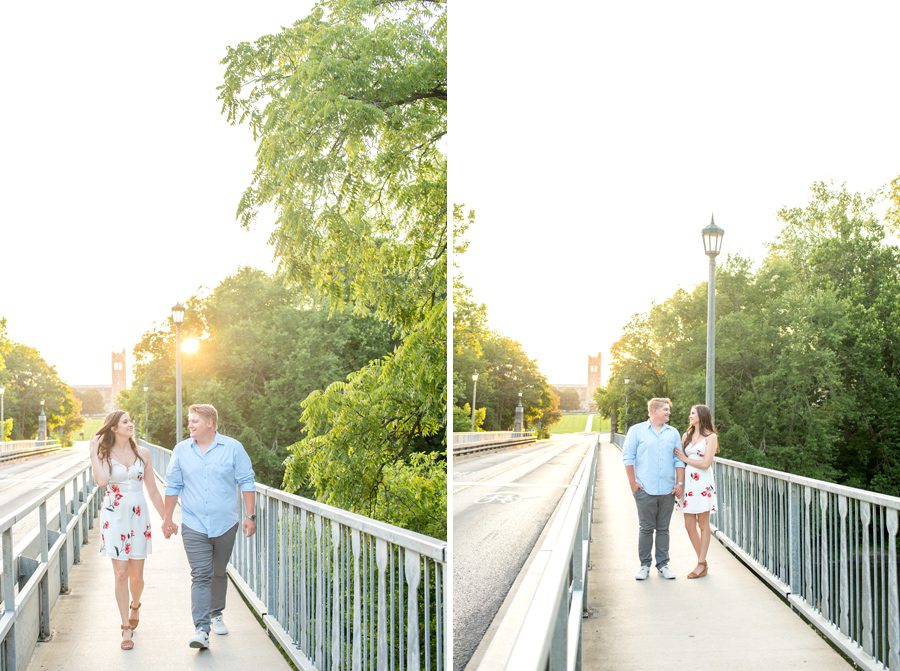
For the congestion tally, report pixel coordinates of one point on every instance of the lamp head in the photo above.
(712, 238)
(178, 313)
(475, 376)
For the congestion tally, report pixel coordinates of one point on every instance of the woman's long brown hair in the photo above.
(706, 425)
(108, 438)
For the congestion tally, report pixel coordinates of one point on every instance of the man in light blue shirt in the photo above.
(205, 471)
(656, 478)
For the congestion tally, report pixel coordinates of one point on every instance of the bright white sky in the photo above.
(595, 140)
(120, 177)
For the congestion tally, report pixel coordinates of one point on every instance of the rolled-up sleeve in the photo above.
(174, 476)
(243, 470)
(629, 449)
(676, 444)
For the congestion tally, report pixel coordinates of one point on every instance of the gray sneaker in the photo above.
(666, 572)
(200, 640)
(218, 625)
(643, 574)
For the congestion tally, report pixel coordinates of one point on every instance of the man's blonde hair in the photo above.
(657, 403)
(207, 411)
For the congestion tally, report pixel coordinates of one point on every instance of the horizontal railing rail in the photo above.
(340, 590)
(40, 576)
(830, 550)
(16, 449)
(465, 437)
(550, 633)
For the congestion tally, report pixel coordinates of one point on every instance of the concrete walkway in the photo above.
(727, 620)
(85, 622)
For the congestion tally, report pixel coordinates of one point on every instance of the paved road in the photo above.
(21, 481)
(501, 503)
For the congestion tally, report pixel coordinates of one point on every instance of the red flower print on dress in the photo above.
(137, 510)
(147, 534)
(127, 548)
(690, 493)
(115, 503)
(695, 476)
(106, 524)
(122, 536)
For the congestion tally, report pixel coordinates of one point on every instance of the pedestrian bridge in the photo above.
(791, 552)
(318, 586)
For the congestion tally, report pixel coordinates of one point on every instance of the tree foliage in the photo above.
(262, 352)
(504, 370)
(349, 108)
(807, 358)
(28, 379)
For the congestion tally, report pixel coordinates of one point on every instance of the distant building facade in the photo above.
(586, 391)
(109, 392)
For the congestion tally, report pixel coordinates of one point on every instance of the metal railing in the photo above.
(831, 550)
(15, 449)
(549, 635)
(479, 441)
(338, 590)
(36, 570)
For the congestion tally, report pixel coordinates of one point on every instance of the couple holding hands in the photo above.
(205, 472)
(661, 467)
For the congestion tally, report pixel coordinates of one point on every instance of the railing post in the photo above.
(64, 550)
(44, 588)
(381, 561)
(412, 609)
(844, 568)
(9, 601)
(893, 623)
(866, 518)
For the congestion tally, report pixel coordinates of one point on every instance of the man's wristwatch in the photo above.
(252, 518)
(676, 484)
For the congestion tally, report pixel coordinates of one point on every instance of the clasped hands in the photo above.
(168, 528)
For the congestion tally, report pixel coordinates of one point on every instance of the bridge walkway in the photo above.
(727, 620)
(85, 622)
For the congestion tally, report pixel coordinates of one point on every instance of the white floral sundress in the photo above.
(124, 519)
(699, 485)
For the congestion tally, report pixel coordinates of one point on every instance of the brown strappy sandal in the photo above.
(129, 643)
(134, 622)
(693, 574)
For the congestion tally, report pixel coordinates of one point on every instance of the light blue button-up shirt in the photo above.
(652, 455)
(207, 483)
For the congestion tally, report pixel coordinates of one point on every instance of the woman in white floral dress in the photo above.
(125, 469)
(699, 446)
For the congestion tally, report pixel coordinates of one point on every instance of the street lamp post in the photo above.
(42, 423)
(474, 392)
(146, 411)
(178, 319)
(626, 403)
(712, 245)
(2, 417)
(518, 426)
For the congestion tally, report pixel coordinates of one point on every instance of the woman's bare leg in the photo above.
(136, 583)
(690, 524)
(705, 535)
(120, 570)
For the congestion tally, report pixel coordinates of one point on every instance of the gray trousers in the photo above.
(654, 514)
(208, 558)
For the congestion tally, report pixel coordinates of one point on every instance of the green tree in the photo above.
(91, 401)
(568, 399)
(29, 379)
(262, 352)
(349, 107)
(806, 347)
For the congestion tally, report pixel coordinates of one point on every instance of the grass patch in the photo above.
(91, 426)
(576, 424)
(600, 424)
